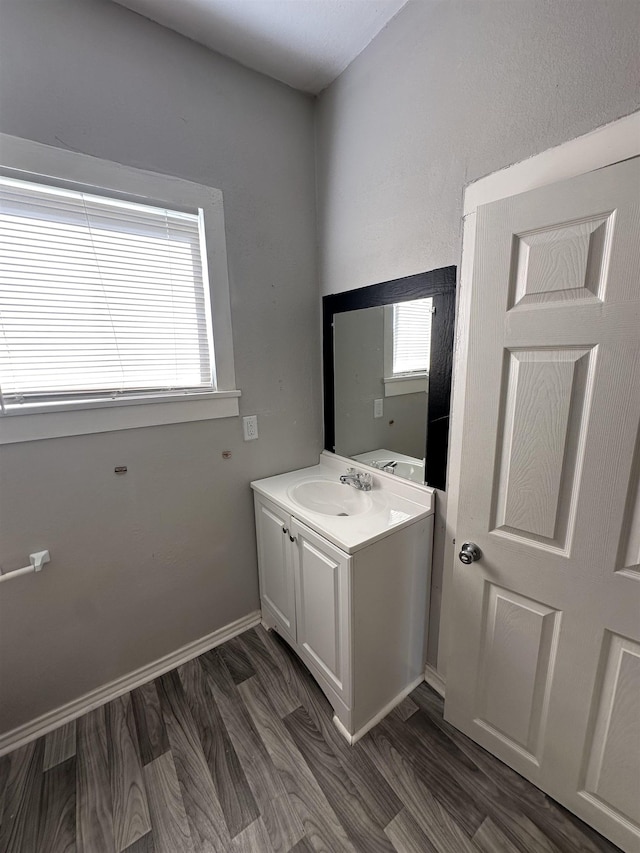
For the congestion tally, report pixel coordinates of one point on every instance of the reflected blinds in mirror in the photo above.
(412, 336)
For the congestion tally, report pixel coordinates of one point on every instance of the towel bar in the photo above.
(37, 562)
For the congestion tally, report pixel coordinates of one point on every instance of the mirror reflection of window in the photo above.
(407, 346)
(412, 336)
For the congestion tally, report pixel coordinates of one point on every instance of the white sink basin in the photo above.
(330, 498)
(316, 497)
(410, 471)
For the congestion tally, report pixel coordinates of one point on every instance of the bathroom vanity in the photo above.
(344, 579)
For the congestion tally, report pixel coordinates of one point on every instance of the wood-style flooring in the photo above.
(236, 751)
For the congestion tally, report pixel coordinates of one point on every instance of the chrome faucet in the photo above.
(358, 479)
(389, 467)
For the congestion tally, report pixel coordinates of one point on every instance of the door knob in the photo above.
(469, 553)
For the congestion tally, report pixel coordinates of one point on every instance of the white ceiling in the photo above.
(305, 43)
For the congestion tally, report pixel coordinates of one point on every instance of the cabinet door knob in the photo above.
(292, 538)
(285, 531)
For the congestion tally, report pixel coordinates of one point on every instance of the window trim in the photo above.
(414, 383)
(30, 160)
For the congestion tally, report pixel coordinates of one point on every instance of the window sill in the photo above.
(394, 386)
(108, 416)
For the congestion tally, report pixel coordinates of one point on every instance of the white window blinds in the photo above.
(412, 336)
(100, 298)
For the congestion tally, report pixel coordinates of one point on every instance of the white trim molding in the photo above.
(407, 384)
(101, 695)
(31, 427)
(617, 141)
(434, 680)
(612, 143)
(355, 737)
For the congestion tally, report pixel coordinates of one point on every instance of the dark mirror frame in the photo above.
(439, 284)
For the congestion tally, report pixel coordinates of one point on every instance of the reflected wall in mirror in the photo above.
(387, 369)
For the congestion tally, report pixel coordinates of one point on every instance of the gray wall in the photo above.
(144, 563)
(359, 371)
(448, 92)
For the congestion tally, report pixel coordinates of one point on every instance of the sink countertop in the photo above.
(396, 504)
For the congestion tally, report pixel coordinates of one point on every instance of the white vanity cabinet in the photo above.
(356, 616)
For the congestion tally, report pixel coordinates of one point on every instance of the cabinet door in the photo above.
(275, 564)
(322, 606)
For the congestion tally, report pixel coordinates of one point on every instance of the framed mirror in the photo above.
(387, 357)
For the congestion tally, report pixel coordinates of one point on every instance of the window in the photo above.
(113, 293)
(100, 299)
(407, 346)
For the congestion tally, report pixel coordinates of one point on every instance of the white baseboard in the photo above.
(354, 738)
(434, 679)
(101, 695)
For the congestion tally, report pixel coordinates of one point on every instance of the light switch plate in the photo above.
(250, 427)
(378, 408)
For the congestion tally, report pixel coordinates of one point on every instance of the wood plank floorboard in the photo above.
(362, 827)
(207, 825)
(128, 795)
(528, 837)
(252, 839)
(236, 752)
(237, 660)
(405, 709)
(19, 830)
(171, 832)
(490, 839)
(279, 817)
(57, 824)
(303, 846)
(234, 794)
(142, 845)
(152, 734)
(406, 836)
(5, 766)
(472, 781)
(438, 778)
(282, 696)
(59, 745)
(562, 830)
(370, 784)
(322, 828)
(94, 810)
(508, 812)
(444, 834)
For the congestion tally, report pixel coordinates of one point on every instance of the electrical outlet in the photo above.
(250, 427)
(378, 408)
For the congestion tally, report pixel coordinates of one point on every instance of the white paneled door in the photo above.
(544, 669)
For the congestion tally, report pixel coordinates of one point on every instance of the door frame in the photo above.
(612, 143)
